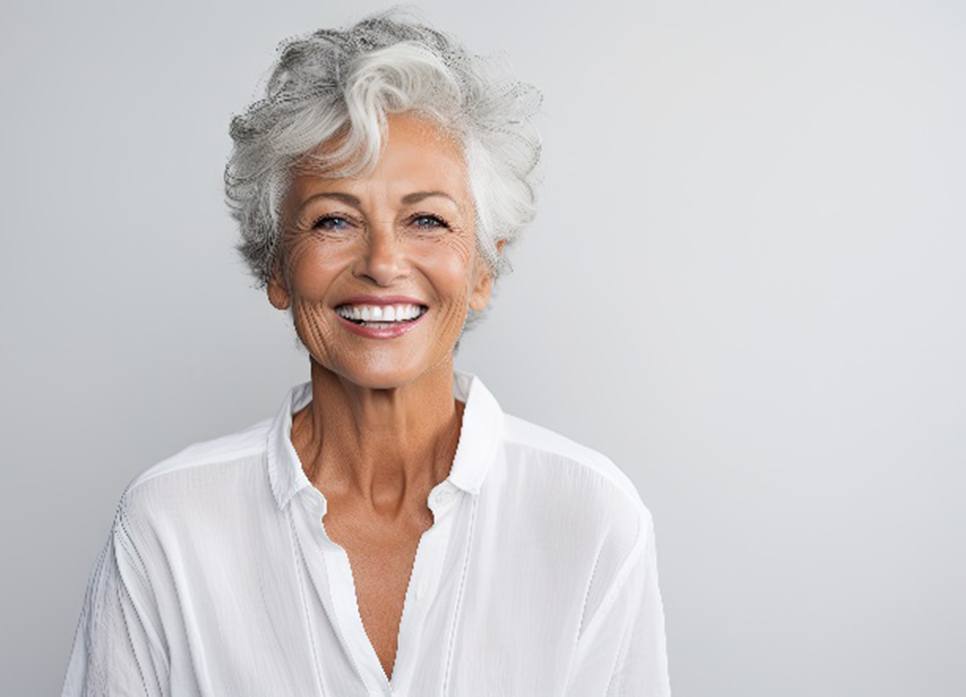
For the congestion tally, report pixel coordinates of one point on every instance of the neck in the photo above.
(381, 447)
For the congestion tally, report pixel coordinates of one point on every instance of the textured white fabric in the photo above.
(538, 576)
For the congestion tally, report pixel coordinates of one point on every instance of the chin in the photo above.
(383, 377)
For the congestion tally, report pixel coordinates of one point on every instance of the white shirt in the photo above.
(537, 577)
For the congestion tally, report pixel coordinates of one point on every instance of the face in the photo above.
(406, 229)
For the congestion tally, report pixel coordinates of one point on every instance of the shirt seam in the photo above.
(621, 661)
(300, 563)
(458, 611)
(192, 651)
(636, 555)
(155, 634)
(590, 581)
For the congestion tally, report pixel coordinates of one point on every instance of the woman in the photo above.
(390, 531)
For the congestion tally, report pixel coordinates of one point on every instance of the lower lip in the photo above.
(388, 332)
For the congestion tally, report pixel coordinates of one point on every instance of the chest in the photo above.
(381, 555)
(488, 612)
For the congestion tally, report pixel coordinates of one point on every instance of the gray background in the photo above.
(745, 285)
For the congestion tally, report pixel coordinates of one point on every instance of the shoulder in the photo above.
(227, 448)
(203, 475)
(540, 446)
(583, 483)
(576, 496)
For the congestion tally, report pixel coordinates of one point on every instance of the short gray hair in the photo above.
(344, 82)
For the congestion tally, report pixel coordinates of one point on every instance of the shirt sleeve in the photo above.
(117, 649)
(622, 651)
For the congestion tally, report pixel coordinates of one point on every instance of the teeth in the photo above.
(380, 313)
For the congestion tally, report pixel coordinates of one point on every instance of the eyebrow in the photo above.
(414, 197)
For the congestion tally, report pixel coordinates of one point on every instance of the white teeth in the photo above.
(380, 313)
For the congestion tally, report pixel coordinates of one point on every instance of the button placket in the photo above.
(426, 576)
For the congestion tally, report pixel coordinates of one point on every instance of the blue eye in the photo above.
(321, 222)
(337, 222)
(436, 220)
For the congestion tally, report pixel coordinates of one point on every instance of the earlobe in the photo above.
(485, 286)
(481, 295)
(277, 295)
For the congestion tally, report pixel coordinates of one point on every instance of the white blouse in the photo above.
(537, 577)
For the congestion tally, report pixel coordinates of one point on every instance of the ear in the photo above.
(480, 296)
(278, 293)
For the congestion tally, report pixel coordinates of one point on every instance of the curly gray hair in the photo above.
(344, 82)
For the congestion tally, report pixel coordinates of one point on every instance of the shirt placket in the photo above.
(335, 575)
(423, 585)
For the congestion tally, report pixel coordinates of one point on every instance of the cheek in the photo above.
(448, 264)
(311, 270)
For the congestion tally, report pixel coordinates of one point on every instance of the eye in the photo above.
(325, 220)
(433, 220)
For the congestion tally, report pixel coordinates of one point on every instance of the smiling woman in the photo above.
(327, 108)
(390, 530)
(408, 225)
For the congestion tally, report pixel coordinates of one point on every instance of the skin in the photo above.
(382, 427)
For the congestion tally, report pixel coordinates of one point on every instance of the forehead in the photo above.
(416, 154)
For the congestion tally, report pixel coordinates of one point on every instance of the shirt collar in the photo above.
(480, 434)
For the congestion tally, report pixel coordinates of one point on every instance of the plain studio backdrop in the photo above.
(745, 285)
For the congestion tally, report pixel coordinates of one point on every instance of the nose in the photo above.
(383, 256)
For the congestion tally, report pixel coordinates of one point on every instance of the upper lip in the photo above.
(381, 300)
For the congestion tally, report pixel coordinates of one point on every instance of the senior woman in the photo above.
(390, 530)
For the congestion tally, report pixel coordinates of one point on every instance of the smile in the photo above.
(380, 321)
